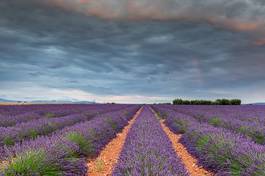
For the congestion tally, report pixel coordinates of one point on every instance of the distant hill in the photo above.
(60, 102)
(2, 100)
(259, 103)
(5, 100)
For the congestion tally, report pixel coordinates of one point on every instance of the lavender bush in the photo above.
(225, 152)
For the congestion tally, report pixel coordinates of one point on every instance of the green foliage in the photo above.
(48, 128)
(186, 102)
(86, 146)
(222, 102)
(8, 141)
(29, 134)
(33, 134)
(162, 115)
(235, 102)
(71, 154)
(214, 152)
(235, 168)
(202, 141)
(31, 163)
(243, 129)
(177, 101)
(207, 102)
(215, 121)
(259, 137)
(49, 115)
(113, 124)
(260, 169)
(181, 125)
(201, 102)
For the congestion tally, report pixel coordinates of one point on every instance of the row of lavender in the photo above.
(148, 151)
(246, 120)
(63, 152)
(252, 113)
(12, 115)
(219, 149)
(13, 110)
(44, 126)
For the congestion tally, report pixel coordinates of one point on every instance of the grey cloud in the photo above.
(55, 48)
(238, 14)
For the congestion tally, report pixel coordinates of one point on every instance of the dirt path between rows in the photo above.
(188, 160)
(104, 164)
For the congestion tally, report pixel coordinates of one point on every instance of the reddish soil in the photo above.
(188, 160)
(104, 164)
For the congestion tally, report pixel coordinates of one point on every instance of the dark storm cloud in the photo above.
(52, 47)
(237, 14)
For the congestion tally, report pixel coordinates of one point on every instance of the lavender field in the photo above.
(58, 140)
(132, 88)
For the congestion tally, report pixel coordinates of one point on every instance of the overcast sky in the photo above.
(132, 50)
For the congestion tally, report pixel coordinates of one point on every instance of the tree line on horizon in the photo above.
(180, 101)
